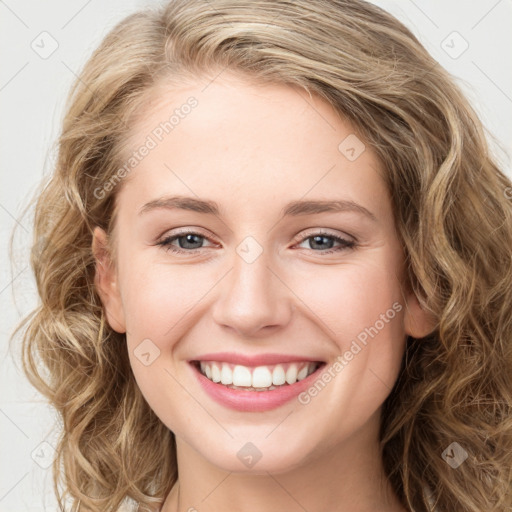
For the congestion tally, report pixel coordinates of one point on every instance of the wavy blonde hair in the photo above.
(451, 212)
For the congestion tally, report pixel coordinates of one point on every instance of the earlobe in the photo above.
(105, 280)
(418, 322)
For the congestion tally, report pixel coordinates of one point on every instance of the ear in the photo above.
(106, 282)
(418, 323)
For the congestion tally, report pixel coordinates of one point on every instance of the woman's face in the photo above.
(266, 277)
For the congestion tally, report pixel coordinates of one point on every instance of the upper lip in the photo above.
(255, 360)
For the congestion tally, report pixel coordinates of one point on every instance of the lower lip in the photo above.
(254, 401)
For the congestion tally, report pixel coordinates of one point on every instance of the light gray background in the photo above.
(32, 94)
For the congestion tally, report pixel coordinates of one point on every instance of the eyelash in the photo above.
(345, 244)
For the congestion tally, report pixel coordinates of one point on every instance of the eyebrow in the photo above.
(294, 208)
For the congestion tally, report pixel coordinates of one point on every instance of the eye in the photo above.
(185, 240)
(321, 239)
(191, 242)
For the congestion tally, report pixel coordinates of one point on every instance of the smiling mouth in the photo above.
(257, 378)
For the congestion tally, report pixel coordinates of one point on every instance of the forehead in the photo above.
(230, 139)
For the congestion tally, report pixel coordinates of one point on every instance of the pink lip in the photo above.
(253, 401)
(257, 360)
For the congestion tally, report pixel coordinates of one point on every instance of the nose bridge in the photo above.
(252, 296)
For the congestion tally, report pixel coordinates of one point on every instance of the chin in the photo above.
(256, 458)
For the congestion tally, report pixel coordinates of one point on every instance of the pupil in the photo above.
(316, 240)
(190, 239)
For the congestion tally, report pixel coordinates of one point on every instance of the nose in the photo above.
(253, 299)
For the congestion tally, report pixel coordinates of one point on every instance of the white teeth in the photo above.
(241, 376)
(226, 375)
(291, 374)
(278, 376)
(261, 378)
(215, 373)
(303, 373)
(206, 369)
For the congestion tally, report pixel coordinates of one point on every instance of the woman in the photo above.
(260, 370)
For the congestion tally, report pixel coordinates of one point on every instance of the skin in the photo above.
(252, 149)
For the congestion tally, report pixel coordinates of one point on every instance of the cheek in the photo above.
(351, 297)
(157, 297)
(361, 309)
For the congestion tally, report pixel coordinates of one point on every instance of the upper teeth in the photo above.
(259, 376)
